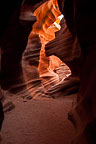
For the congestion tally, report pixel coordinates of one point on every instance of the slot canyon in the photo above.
(47, 72)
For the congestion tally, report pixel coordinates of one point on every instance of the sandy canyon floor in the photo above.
(38, 121)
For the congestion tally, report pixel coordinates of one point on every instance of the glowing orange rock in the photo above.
(46, 25)
(46, 15)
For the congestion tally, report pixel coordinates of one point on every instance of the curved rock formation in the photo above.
(64, 46)
(12, 73)
(79, 28)
(80, 19)
(30, 62)
(14, 40)
(68, 50)
(31, 54)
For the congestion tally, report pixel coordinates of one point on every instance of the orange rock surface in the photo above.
(46, 15)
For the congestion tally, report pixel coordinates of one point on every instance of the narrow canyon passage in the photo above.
(48, 72)
(42, 121)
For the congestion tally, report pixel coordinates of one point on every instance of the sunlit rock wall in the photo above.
(67, 48)
(50, 70)
(38, 72)
(44, 71)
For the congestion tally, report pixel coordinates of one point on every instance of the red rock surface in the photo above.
(50, 79)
